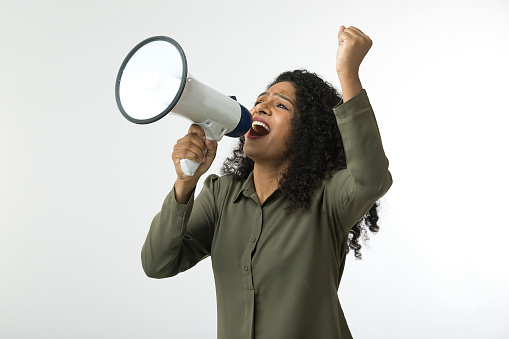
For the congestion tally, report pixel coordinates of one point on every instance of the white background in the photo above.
(79, 184)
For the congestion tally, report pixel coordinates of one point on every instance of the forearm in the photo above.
(350, 85)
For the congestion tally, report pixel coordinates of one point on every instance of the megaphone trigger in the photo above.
(213, 130)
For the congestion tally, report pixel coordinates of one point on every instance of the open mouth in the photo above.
(259, 128)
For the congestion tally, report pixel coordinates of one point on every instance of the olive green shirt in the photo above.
(276, 275)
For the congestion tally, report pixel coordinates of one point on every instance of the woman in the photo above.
(277, 224)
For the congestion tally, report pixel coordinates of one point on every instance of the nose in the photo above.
(261, 108)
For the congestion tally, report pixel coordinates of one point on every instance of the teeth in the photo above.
(259, 123)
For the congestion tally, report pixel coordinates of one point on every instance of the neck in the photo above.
(266, 181)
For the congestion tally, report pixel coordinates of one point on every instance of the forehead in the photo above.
(285, 88)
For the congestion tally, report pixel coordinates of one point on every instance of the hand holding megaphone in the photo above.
(154, 81)
(193, 148)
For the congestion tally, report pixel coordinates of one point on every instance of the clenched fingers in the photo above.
(190, 147)
(354, 34)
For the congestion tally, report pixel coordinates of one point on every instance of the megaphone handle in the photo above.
(189, 166)
(213, 131)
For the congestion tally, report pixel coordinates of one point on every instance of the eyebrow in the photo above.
(277, 95)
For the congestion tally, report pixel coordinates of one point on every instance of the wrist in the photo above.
(348, 76)
(184, 190)
(350, 85)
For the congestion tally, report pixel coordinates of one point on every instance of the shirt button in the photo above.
(254, 240)
(246, 268)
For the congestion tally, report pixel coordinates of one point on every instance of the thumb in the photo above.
(341, 30)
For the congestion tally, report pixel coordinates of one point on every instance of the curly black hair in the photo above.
(315, 100)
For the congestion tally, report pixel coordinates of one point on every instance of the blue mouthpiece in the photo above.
(244, 124)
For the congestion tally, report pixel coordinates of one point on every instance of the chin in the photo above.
(247, 151)
(252, 153)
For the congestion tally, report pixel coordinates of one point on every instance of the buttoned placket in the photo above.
(257, 225)
(247, 274)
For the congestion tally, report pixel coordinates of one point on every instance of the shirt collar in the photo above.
(247, 188)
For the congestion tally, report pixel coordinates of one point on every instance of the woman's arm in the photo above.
(178, 240)
(353, 191)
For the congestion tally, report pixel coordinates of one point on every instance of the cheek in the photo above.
(286, 133)
(286, 127)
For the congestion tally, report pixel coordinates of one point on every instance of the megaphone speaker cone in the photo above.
(151, 80)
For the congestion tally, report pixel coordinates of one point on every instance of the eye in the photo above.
(258, 102)
(282, 106)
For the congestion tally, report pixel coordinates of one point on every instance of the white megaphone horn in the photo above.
(154, 81)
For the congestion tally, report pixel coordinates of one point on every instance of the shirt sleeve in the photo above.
(178, 239)
(351, 192)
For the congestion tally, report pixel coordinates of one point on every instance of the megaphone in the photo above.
(154, 81)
